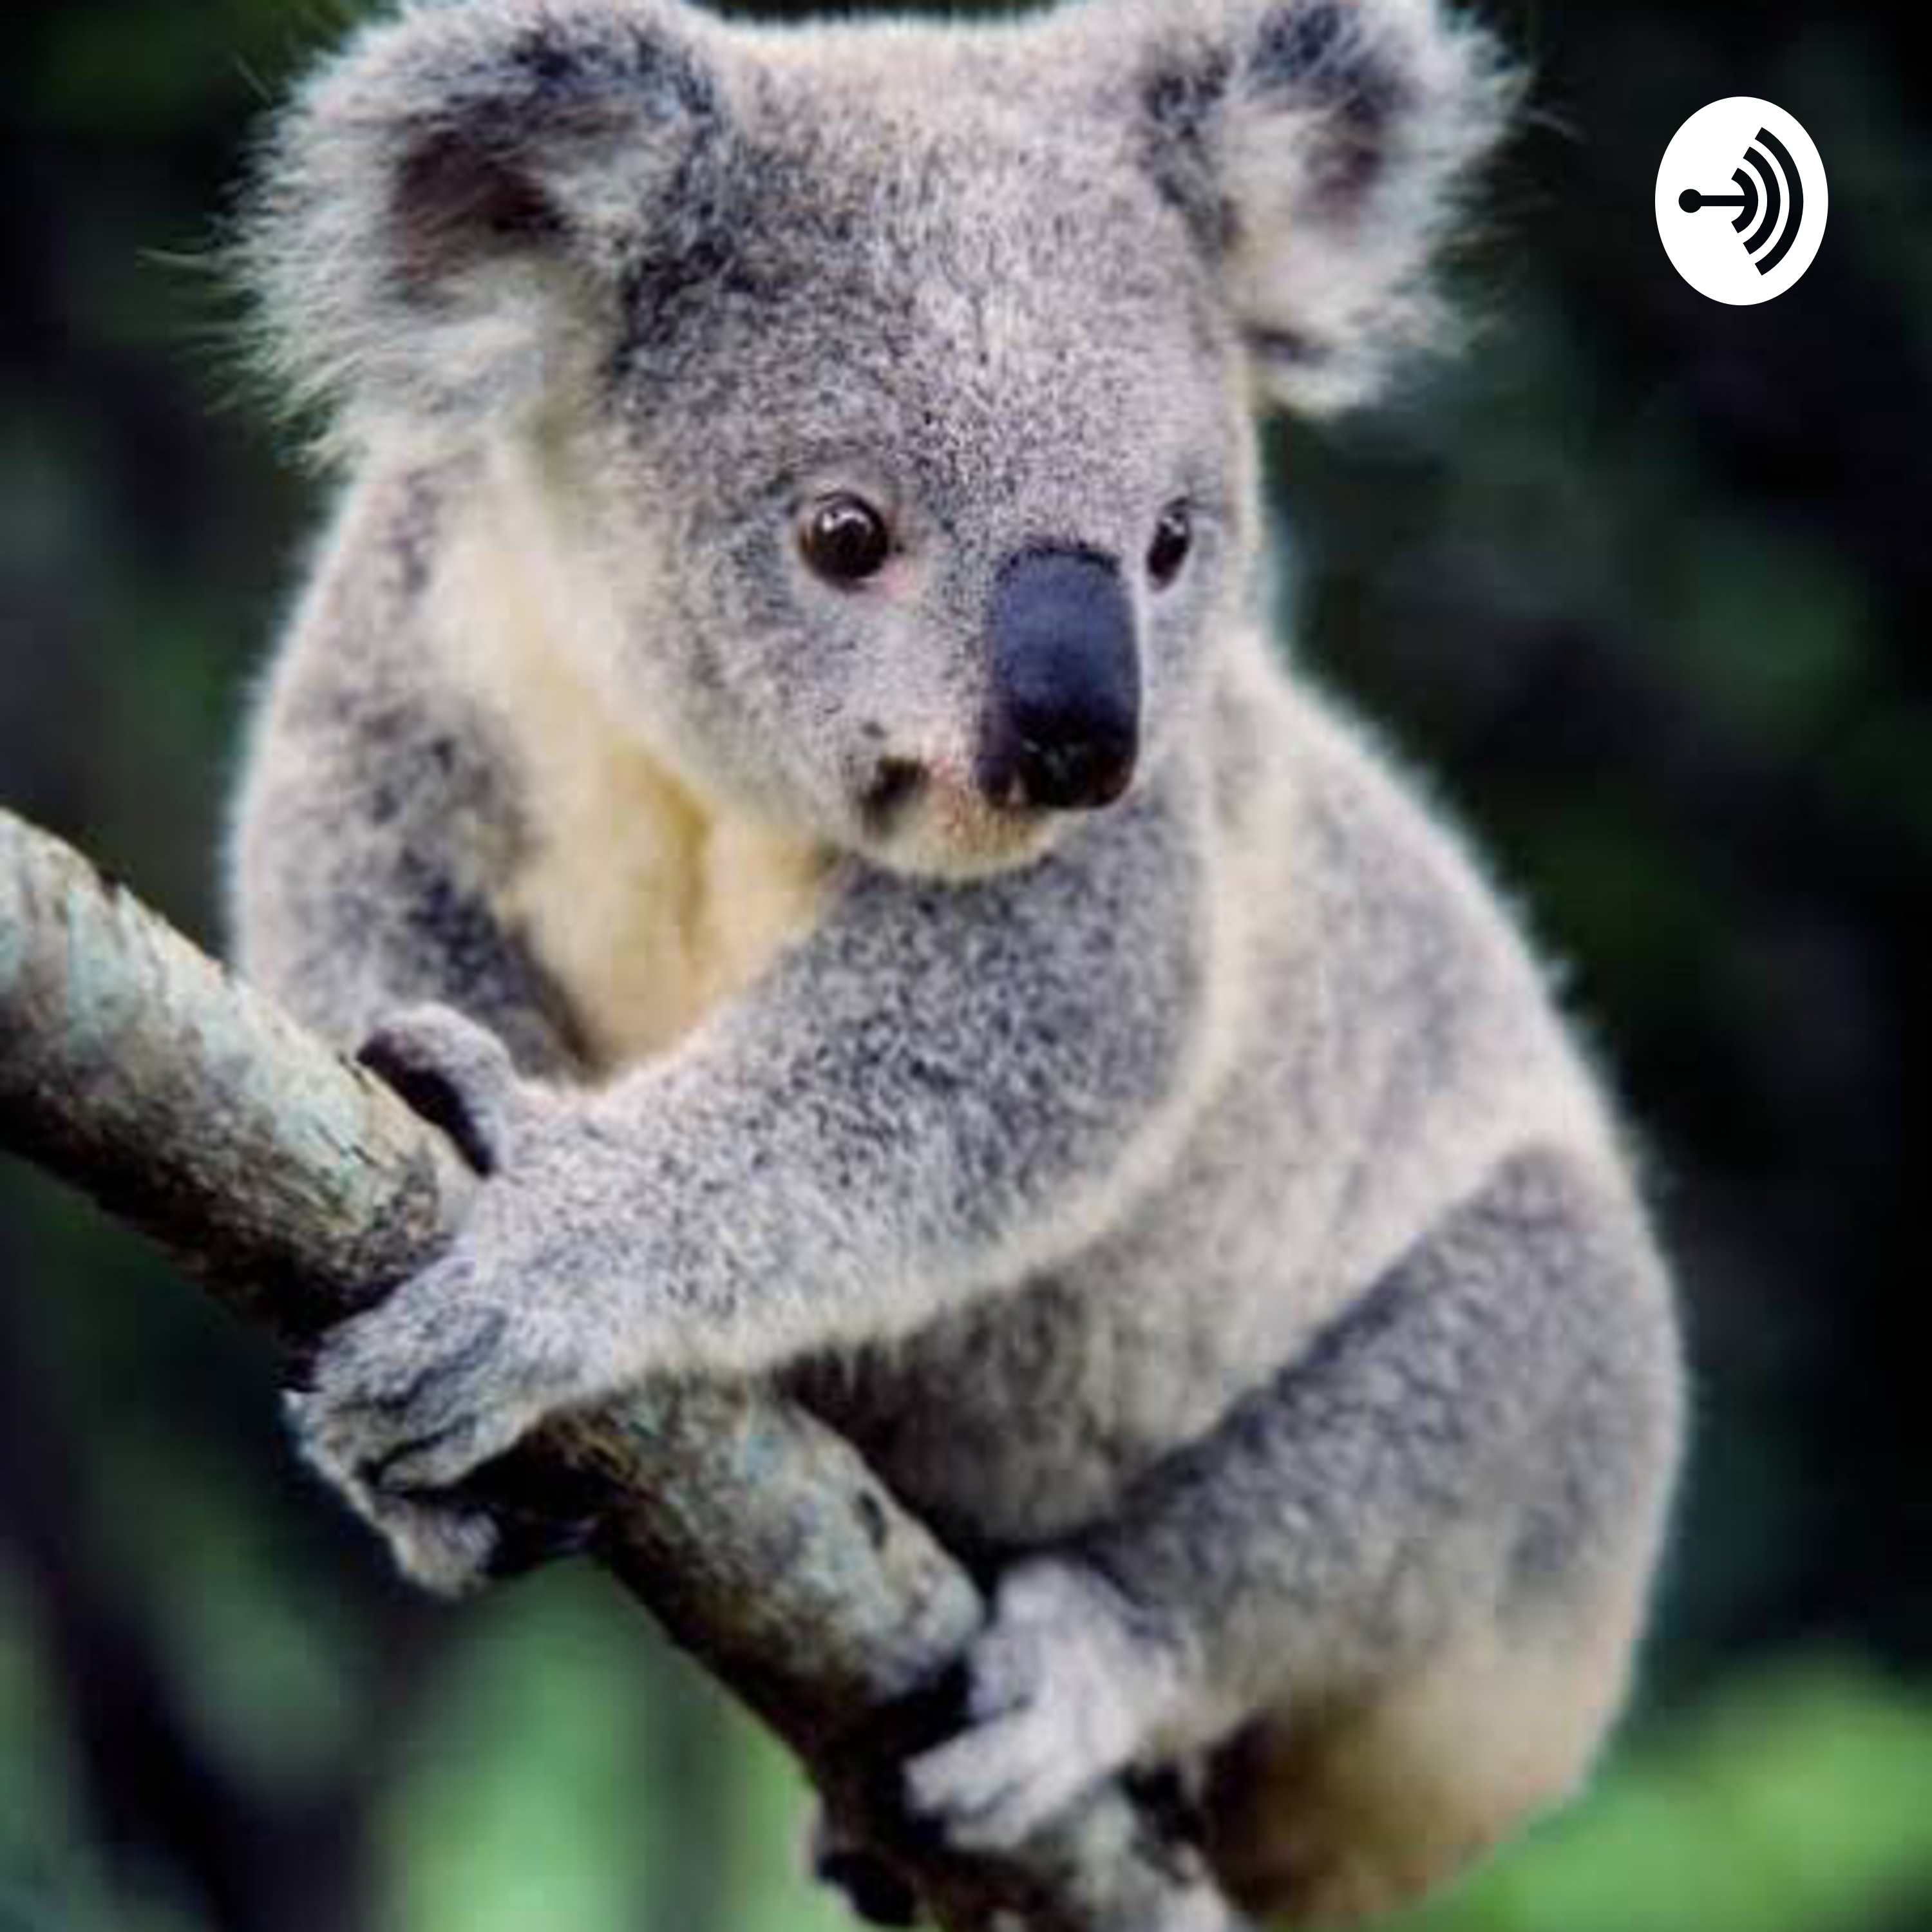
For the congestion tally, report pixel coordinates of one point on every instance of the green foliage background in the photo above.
(1639, 580)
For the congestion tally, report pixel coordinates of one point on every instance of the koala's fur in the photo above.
(1196, 1208)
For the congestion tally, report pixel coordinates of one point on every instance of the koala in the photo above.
(780, 739)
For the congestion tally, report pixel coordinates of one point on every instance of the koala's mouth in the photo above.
(903, 793)
(930, 822)
(893, 789)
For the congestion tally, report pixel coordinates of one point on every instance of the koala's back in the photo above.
(1383, 1039)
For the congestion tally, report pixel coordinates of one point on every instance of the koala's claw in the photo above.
(455, 1073)
(447, 1539)
(874, 1890)
(527, 1541)
(1063, 1694)
(441, 1461)
(447, 1548)
(875, 1893)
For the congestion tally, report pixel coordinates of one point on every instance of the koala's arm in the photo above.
(377, 813)
(1484, 1441)
(941, 1087)
(937, 1089)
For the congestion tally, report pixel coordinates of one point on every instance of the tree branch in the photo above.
(298, 1189)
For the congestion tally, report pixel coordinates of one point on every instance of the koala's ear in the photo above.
(445, 217)
(1317, 148)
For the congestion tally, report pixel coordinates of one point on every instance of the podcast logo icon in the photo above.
(1742, 200)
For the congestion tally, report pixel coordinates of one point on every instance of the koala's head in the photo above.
(880, 393)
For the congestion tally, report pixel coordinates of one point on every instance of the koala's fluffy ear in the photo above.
(442, 219)
(1317, 148)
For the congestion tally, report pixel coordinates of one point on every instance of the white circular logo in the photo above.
(1742, 200)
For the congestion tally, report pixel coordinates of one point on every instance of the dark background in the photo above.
(1640, 580)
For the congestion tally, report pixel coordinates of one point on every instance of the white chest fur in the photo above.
(648, 907)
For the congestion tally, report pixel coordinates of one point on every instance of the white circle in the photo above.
(1717, 144)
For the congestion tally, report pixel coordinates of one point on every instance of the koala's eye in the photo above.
(845, 540)
(1173, 544)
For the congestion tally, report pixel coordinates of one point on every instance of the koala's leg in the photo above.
(1333, 1819)
(1423, 1551)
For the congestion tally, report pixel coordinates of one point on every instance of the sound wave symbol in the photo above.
(1769, 169)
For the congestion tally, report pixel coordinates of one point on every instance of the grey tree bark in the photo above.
(297, 1188)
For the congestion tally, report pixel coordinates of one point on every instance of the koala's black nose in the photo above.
(1062, 727)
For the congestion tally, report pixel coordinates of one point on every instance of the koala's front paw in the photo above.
(1063, 1691)
(401, 1409)
(502, 1330)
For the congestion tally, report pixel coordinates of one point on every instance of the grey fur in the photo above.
(1197, 1208)
(390, 900)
